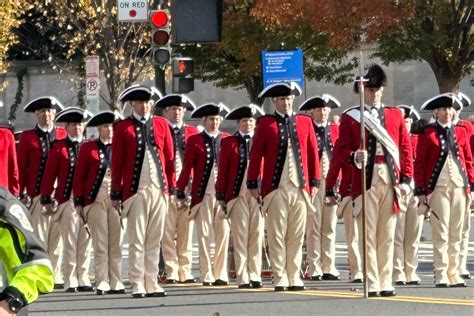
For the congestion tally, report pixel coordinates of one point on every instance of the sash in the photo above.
(374, 127)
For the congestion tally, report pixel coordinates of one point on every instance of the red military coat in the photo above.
(431, 155)
(270, 146)
(8, 162)
(198, 159)
(342, 168)
(180, 139)
(92, 163)
(233, 161)
(60, 166)
(331, 135)
(470, 132)
(414, 144)
(128, 154)
(392, 119)
(33, 152)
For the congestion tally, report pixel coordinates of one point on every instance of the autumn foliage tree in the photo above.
(88, 27)
(438, 32)
(10, 12)
(236, 60)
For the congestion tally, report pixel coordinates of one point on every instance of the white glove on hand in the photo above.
(360, 158)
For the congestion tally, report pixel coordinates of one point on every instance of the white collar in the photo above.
(139, 118)
(290, 113)
(448, 125)
(75, 139)
(179, 125)
(212, 135)
(325, 124)
(243, 134)
(48, 130)
(108, 142)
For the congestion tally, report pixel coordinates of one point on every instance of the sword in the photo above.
(119, 210)
(86, 225)
(260, 205)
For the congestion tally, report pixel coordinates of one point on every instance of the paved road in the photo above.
(323, 297)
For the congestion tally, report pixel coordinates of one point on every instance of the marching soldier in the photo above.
(236, 202)
(142, 176)
(177, 240)
(33, 150)
(389, 166)
(201, 159)
(444, 175)
(321, 226)
(91, 190)
(8, 161)
(287, 145)
(464, 272)
(60, 167)
(409, 223)
(341, 196)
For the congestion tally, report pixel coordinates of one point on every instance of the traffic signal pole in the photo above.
(160, 70)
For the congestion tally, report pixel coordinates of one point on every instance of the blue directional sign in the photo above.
(282, 65)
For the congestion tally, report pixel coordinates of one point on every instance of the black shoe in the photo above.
(245, 286)
(256, 284)
(414, 283)
(400, 283)
(220, 282)
(330, 277)
(466, 276)
(357, 281)
(374, 294)
(156, 294)
(171, 281)
(116, 291)
(316, 278)
(58, 286)
(138, 295)
(101, 292)
(85, 288)
(459, 285)
(281, 288)
(442, 285)
(189, 281)
(206, 283)
(71, 290)
(387, 293)
(296, 288)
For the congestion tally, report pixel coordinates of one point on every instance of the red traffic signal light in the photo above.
(160, 36)
(159, 18)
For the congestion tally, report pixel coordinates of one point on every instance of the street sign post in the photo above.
(282, 66)
(92, 89)
(132, 10)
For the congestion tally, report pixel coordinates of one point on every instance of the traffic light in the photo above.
(183, 80)
(160, 36)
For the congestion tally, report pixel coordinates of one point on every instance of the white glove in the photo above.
(405, 188)
(360, 158)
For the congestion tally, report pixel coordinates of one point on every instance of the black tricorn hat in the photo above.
(464, 99)
(104, 117)
(409, 111)
(209, 109)
(444, 100)
(245, 111)
(73, 115)
(175, 100)
(376, 78)
(43, 103)
(326, 100)
(136, 93)
(280, 89)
